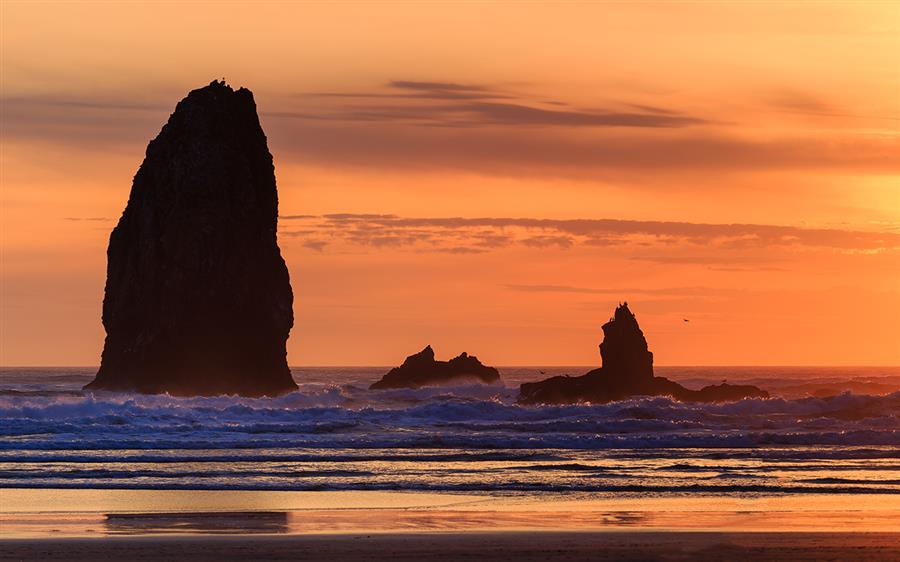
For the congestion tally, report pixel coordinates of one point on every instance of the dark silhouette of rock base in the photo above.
(198, 300)
(422, 370)
(627, 371)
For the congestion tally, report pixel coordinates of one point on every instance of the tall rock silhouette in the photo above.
(626, 372)
(198, 299)
(624, 350)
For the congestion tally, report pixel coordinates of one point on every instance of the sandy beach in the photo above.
(485, 547)
(55, 514)
(221, 526)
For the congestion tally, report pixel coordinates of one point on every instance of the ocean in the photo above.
(824, 431)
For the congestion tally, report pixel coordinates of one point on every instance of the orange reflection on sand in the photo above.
(305, 513)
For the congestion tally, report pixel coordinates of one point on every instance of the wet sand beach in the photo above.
(485, 547)
(220, 526)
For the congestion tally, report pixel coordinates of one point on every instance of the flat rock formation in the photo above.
(198, 300)
(627, 371)
(422, 370)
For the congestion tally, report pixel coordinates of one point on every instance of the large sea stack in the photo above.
(626, 371)
(198, 300)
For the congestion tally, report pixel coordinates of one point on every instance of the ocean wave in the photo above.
(252, 455)
(43, 473)
(832, 480)
(469, 438)
(448, 419)
(468, 487)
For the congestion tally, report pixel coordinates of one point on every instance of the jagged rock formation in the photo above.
(198, 300)
(627, 370)
(624, 350)
(422, 370)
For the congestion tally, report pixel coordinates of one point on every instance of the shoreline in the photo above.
(54, 514)
(485, 546)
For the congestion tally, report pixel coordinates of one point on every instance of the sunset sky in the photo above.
(487, 177)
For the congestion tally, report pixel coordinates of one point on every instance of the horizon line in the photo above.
(535, 366)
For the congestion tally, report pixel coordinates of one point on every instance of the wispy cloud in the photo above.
(668, 291)
(486, 233)
(805, 103)
(317, 245)
(468, 104)
(106, 104)
(408, 125)
(411, 90)
(599, 153)
(439, 86)
(461, 250)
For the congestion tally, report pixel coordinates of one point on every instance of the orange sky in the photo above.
(487, 177)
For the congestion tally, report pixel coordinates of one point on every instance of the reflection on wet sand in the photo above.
(331, 521)
(30, 513)
(403, 520)
(212, 523)
(306, 522)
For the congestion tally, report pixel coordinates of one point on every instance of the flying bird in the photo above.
(685, 319)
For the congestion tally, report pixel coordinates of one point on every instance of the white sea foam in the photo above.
(473, 438)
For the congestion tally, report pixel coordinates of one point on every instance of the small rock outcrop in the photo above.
(422, 370)
(626, 371)
(198, 300)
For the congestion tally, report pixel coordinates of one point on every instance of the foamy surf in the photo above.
(341, 436)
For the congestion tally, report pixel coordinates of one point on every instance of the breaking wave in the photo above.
(327, 418)
(466, 438)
